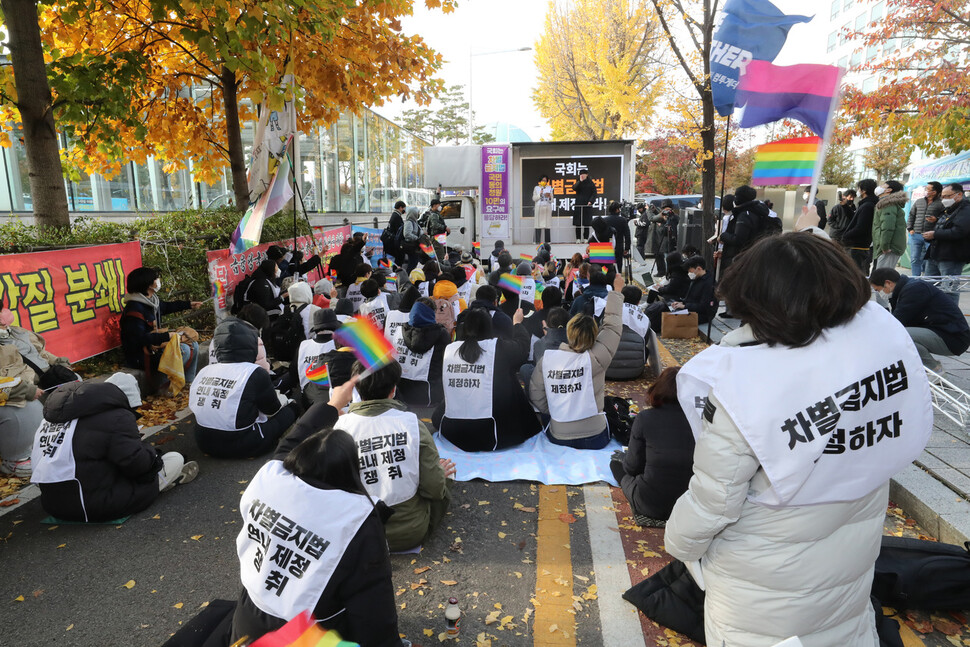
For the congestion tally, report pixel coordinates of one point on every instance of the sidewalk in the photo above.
(935, 490)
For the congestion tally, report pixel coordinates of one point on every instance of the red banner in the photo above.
(227, 270)
(72, 297)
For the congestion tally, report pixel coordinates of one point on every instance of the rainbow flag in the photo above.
(442, 238)
(525, 257)
(807, 93)
(477, 245)
(318, 374)
(601, 253)
(391, 281)
(302, 631)
(510, 282)
(428, 249)
(385, 263)
(787, 161)
(277, 194)
(369, 344)
(219, 290)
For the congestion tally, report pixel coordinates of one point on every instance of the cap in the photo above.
(583, 172)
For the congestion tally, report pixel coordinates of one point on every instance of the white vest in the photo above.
(528, 293)
(217, 392)
(568, 381)
(635, 320)
(423, 288)
(465, 291)
(468, 387)
(553, 282)
(394, 326)
(293, 538)
(309, 352)
(355, 297)
(377, 309)
(52, 457)
(599, 304)
(389, 448)
(829, 422)
(414, 366)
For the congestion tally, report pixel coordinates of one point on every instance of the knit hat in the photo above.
(421, 316)
(324, 319)
(524, 269)
(444, 288)
(300, 292)
(343, 307)
(129, 386)
(323, 286)
(466, 257)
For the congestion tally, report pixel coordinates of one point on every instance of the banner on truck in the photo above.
(606, 172)
(72, 297)
(496, 205)
(227, 270)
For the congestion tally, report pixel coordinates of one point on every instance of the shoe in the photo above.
(189, 471)
(16, 469)
(579, 241)
(649, 522)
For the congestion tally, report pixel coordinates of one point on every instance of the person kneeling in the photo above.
(311, 512)
(399, 461)
(238, 414)
(89, 458)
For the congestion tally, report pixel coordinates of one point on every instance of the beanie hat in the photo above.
(466, 257)
(323, 286)
(444, 288)
(344, 307)
(421, 316)
(524, 269)
(129, 386)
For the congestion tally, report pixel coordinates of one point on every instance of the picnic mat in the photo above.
(537, 459)
(112, 522)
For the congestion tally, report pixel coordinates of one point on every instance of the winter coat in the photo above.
(116, 472)
(601, 354)
(358, 601)
(420, 340)
(839, 220)
(552, 340)
(263, 292)
(630, 357)
(410, 523)
(700, 298)
(917, 304)
(32, 348)
(889, 225)
(951, 236)
(590, 292)
(501, 322)
(659, 461)
(666, 234)
(139, 321)
(772, 573)
(621, 233)
(677, 284)
(514, 420)
(918, 212)
(12, 365)
(859, 233)
(746, 226)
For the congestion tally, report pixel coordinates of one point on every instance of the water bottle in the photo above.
(453, 616)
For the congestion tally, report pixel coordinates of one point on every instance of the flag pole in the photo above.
(826, 138)
(717, 220)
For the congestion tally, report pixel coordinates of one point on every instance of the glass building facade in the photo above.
(359, 164)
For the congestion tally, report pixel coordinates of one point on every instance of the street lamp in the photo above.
(471, 55)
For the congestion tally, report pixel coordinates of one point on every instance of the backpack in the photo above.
(388, 237)
(619, 418)
(239, 294)
(922, 575)
(285, 334)
(444, 312)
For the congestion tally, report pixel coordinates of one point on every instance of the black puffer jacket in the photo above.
(630, 357)
(421, 340)
(747, 225)
(116, 471)
(261, 292)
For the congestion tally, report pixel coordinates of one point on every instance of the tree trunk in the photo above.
(48, 195)
(237, 159)
(708, 170)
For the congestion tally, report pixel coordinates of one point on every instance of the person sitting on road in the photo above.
(142, 335)
(21, 411)
(931, 318)
(375, 305)
(593, 299)
(677, 282)
(414, 483)
(484, 407)
(631, 354)
(577, 282)
(238, 413)
(364, 270)
(568, 382)
(319, 348)
(301, 294)
(486, 298)
(338, 564)
(657, 467)
(264, 289)
(88, 456)
(503, 265)
(553, 329)
(420, 352)
(49, 370)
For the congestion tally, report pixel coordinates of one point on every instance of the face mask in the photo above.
(157, 285)
(880, 190)
(948, 202)
(691, 275)
(805, 197)
(542, 183)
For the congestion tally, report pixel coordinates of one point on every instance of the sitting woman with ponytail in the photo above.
(339, 565)
(485, 408)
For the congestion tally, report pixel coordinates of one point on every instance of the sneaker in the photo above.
(16, 469)
(648, 522)
(579, 241)
(189, 471)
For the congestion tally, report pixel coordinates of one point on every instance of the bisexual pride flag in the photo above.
(787, 161)
(806, 93)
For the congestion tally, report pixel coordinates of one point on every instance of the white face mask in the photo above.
(880, 190)
(691, 275)
(948, 202)
(157, 285)
(805, 197)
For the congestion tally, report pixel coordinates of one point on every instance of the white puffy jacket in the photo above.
(774, 573)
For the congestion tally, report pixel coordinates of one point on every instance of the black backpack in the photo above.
(285, 334)
(619, 418)
(239, 294)
(922, 575)
(388, 237)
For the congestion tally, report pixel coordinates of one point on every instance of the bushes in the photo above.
(175, 242)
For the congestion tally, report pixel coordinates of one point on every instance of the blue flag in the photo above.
(749, 30)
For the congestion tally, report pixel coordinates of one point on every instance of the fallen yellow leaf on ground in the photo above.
(19, 598)
(448, 582)
(130, 584)
(197, 537)
(178, 605)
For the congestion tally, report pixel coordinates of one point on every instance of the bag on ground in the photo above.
(678, 326)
